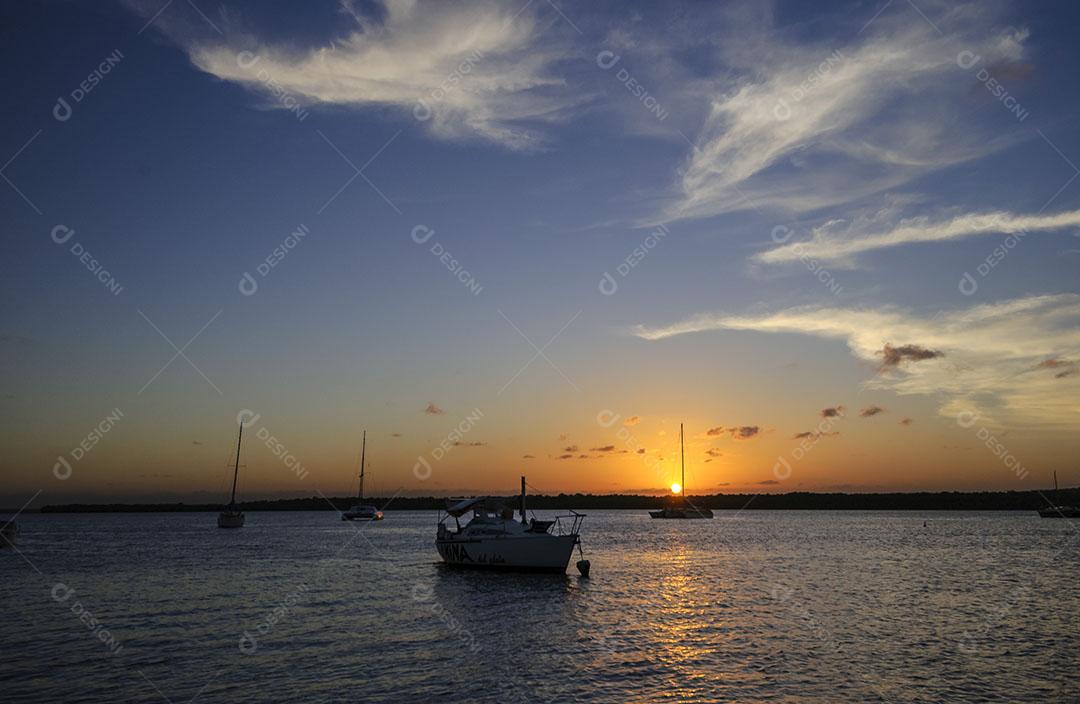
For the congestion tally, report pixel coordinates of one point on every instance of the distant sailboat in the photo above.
(231, 516)
(680, 507)
(361, 511)
(1059, 511)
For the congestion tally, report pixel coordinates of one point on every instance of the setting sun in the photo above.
(676, 488)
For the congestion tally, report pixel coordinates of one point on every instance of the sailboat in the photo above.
(679, 507)
(231, 516)
(493, 539)
(1059, 511)
(361, 511)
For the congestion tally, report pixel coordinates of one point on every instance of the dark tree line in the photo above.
(916, 501)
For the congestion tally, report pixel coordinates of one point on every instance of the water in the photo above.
(750, 607)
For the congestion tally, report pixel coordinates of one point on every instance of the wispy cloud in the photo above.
(985, 353)
(473, 69)
(433, 410)
(838, 240)
(800, 126)
(871, 411)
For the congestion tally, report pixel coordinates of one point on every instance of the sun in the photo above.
(676, 488)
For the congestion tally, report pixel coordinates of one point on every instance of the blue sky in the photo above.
(825, 176)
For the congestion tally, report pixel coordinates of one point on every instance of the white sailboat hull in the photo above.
(541, 551)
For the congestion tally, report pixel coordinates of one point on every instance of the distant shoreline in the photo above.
(907, 501)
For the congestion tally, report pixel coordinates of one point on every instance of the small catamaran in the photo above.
(231, 516)
(678, 506)
(361, 511)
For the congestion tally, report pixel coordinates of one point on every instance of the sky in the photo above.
(837, 241)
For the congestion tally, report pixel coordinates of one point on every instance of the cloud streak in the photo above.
(838, 241)
(989, 351)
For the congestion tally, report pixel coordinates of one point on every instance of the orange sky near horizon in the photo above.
(845, 452)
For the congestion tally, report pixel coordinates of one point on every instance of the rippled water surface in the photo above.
(755, 606)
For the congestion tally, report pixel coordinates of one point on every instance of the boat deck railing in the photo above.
(568, 523)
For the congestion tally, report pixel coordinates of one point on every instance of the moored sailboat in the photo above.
(231, 516)
(1059, 511)
(679, 506)
(361, 511)
(493, 539)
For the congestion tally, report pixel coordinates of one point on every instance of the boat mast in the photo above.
(522, 499)
(236, 469)
(363, 452)
(682, 462)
